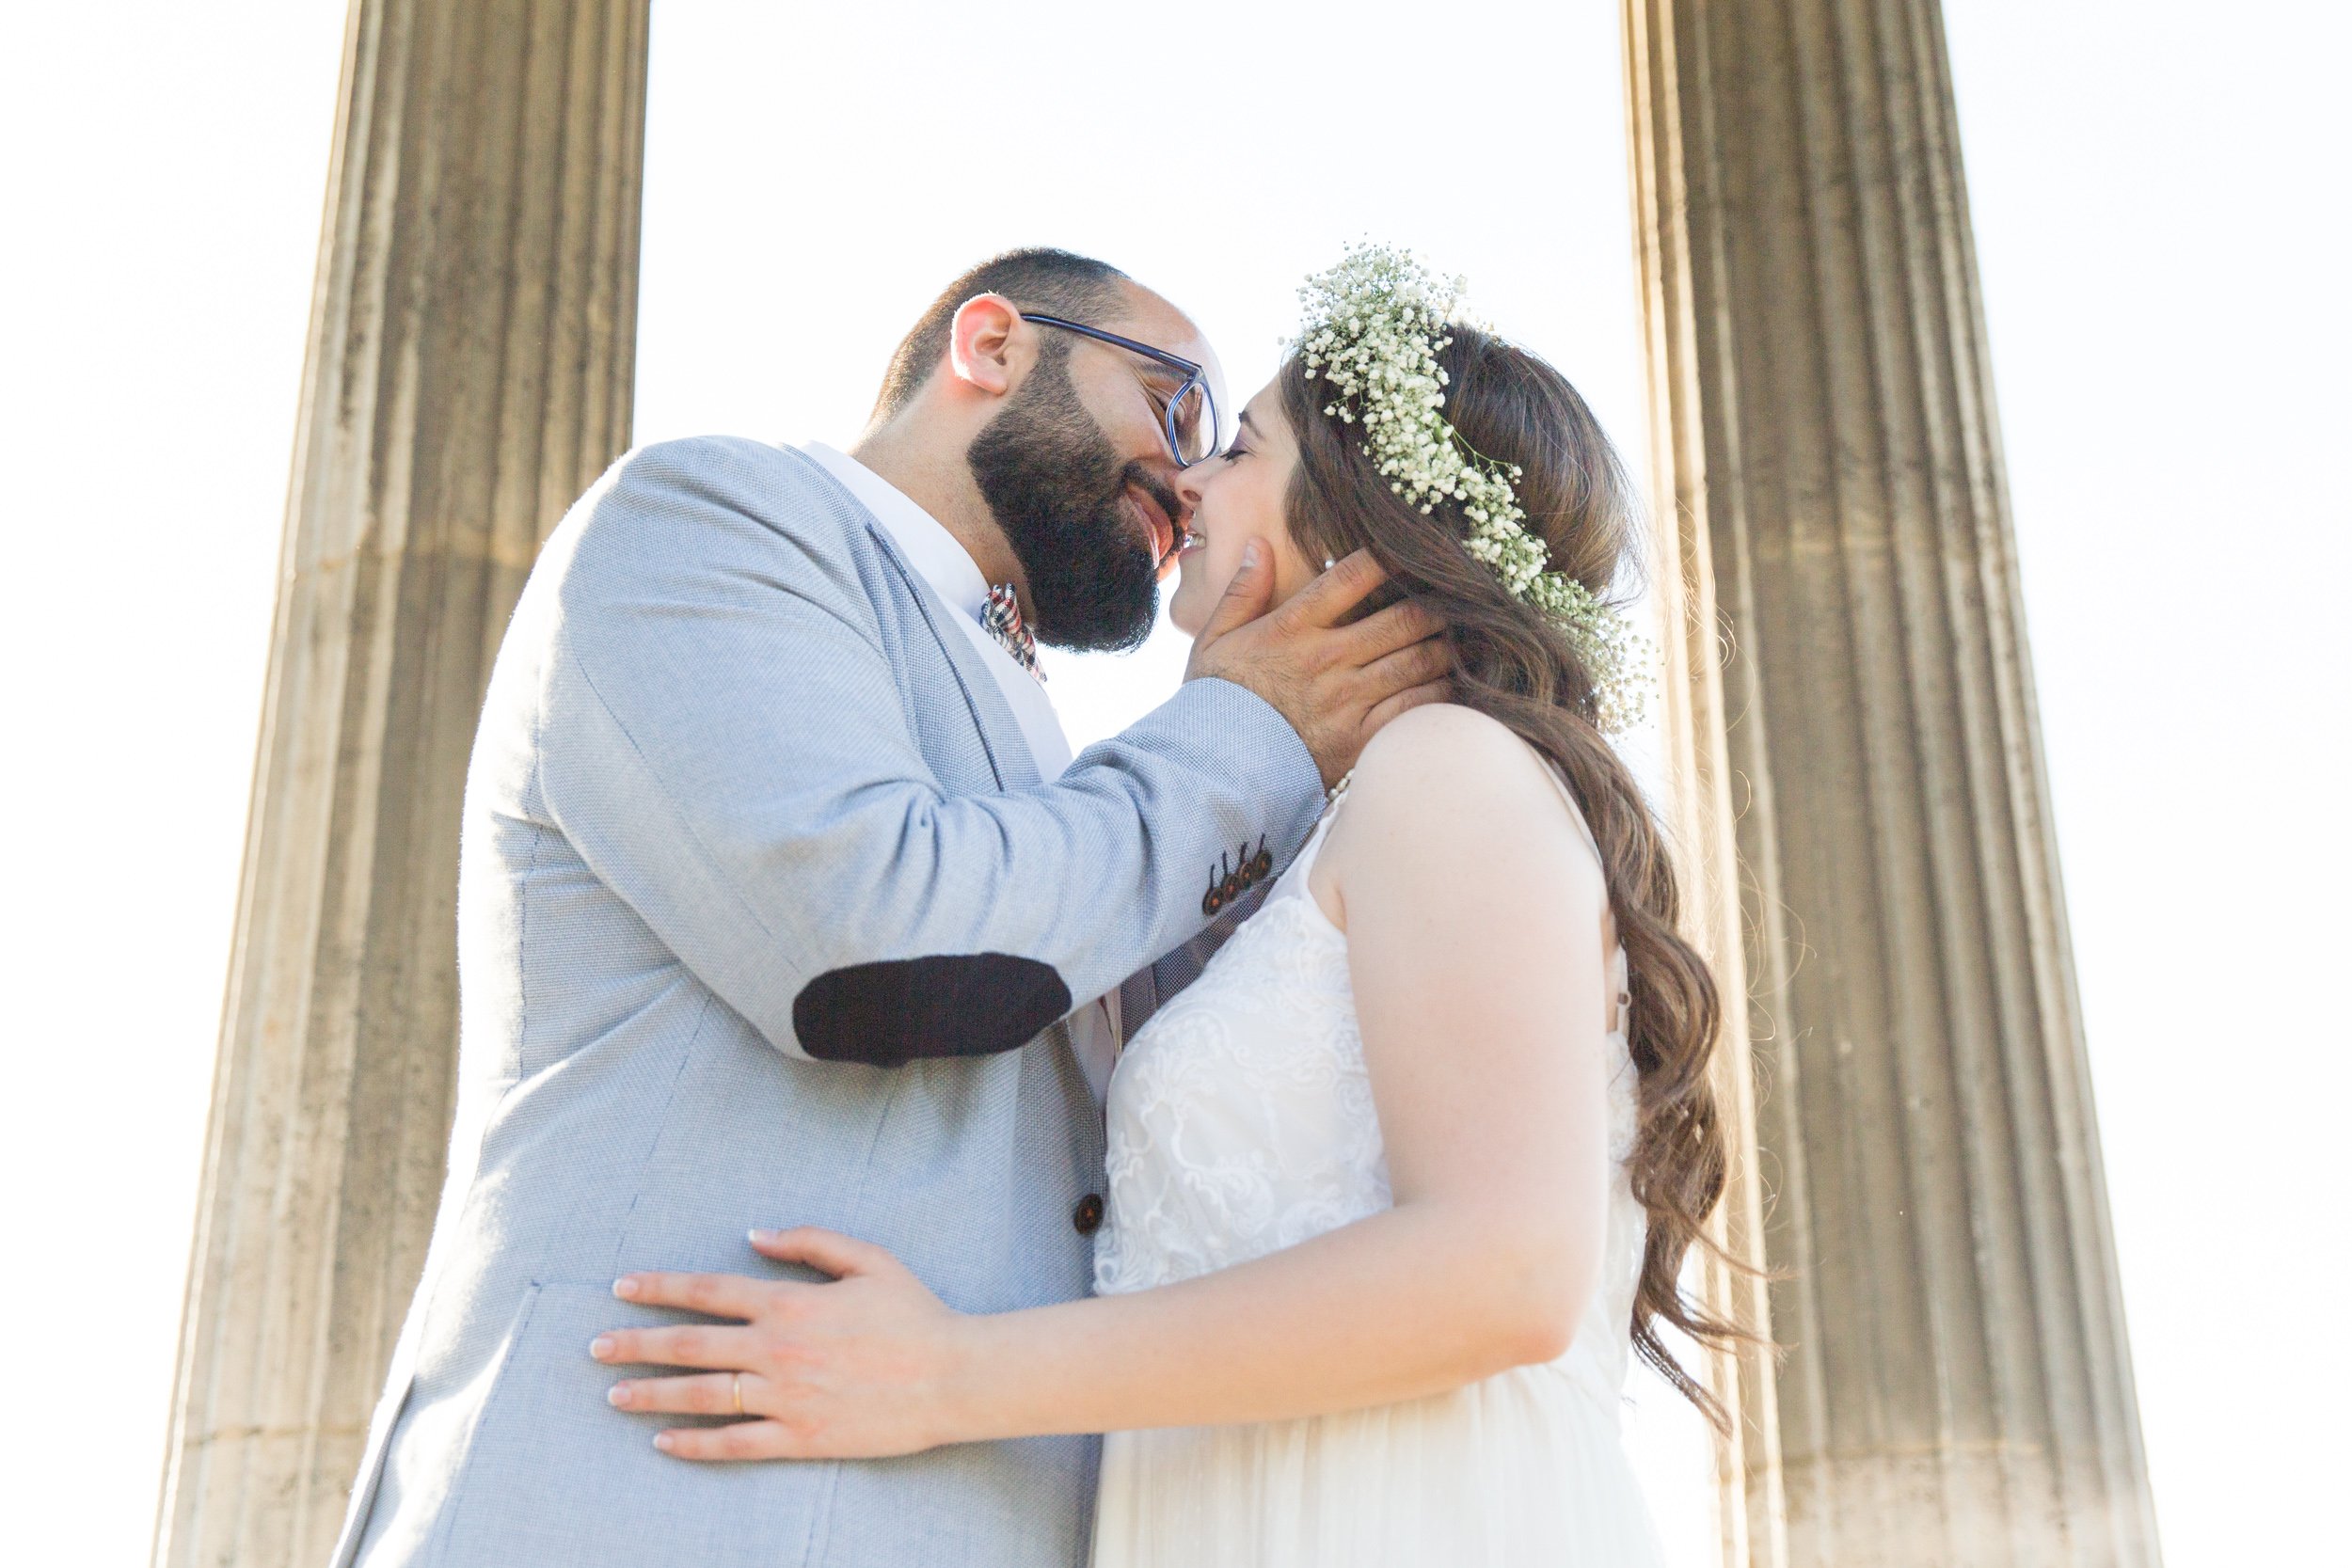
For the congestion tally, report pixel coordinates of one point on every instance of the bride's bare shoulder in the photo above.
(1440, 752)
(1450, 787)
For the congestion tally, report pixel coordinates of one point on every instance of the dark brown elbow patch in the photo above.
(904, 1009)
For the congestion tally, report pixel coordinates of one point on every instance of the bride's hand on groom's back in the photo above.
(1336, 681)
(863, 1366)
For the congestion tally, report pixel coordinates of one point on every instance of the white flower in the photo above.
(1374, 325)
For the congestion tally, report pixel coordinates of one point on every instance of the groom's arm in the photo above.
(726, 744)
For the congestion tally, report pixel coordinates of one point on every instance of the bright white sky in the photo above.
(2151, 189)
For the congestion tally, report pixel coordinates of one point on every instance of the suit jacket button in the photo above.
(1088, 1216)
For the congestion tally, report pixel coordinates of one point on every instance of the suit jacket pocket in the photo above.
(554, 1474)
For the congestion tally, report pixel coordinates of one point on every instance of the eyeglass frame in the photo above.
(1195, 375)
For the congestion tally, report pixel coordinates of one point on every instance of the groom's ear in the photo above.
(983, 340)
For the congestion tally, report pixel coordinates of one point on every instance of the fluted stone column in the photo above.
(1704, 791)
(469, 369)
(1958, 1389)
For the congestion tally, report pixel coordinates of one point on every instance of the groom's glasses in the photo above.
(1189, 418)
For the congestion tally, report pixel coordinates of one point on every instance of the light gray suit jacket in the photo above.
(764, 918)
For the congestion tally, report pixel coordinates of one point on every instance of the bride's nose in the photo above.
(1190, 482)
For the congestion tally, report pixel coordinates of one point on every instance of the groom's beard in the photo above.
(1056, 485)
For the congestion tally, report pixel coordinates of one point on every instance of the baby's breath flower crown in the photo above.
(1375, 324)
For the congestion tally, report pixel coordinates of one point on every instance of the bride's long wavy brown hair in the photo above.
(1513, 664)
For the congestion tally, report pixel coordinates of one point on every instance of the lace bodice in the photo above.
(1241, 1121)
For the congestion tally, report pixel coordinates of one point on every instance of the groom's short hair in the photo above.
(1055, 282)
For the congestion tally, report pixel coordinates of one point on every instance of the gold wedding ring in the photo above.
(739, 1393)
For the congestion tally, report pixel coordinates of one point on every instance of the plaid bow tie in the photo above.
(1002, 618)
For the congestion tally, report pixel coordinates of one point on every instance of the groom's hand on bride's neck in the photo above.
(1336, 680)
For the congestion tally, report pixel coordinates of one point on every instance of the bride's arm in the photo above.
(1474, 913)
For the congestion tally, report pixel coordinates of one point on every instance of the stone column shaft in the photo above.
(1959, 1388)
(468, 373)
(1703, 797)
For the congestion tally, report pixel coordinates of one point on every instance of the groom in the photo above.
(780, 894)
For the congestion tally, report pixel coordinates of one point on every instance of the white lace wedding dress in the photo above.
(1241, 1121)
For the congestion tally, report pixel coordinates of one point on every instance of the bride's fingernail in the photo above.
(617, 1394)
(626, 1289)
(662, 1440)
(601, 1346)
(761, 1238)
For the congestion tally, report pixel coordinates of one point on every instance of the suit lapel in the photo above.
(1000, 731)
(1008, 756)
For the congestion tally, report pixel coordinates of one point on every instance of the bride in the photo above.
(1397, 1186)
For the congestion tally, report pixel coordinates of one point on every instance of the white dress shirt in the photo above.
(940, 561)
